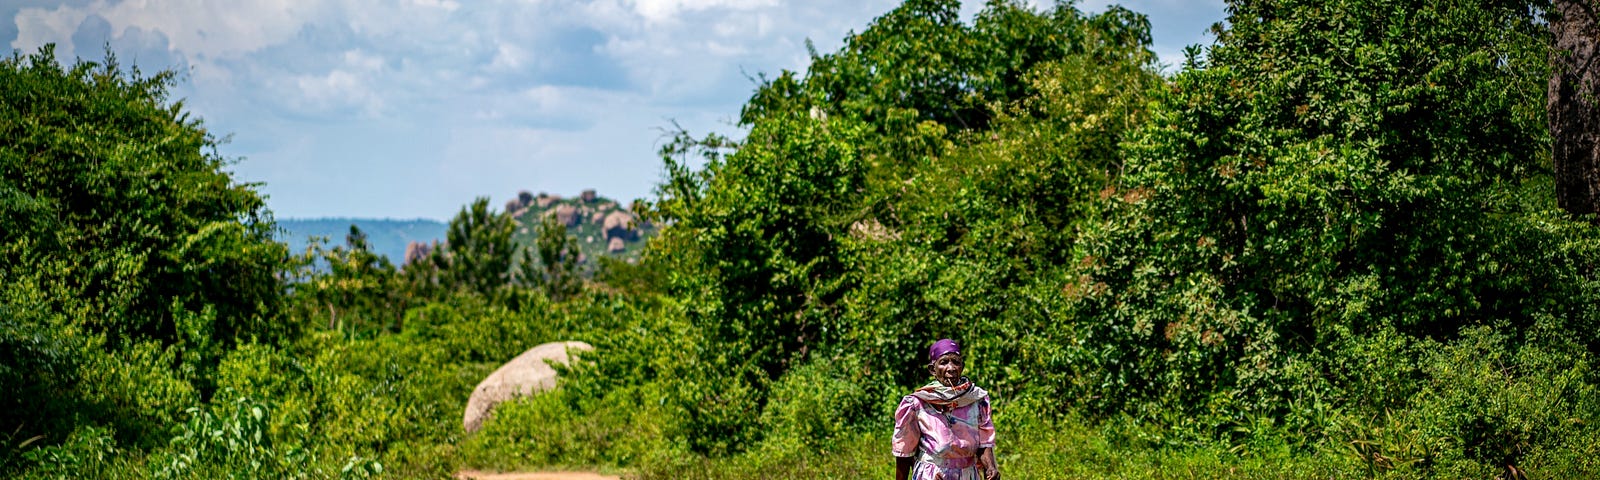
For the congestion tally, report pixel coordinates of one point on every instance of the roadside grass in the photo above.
(1064, 449)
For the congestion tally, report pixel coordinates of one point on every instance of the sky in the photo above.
(413, 108)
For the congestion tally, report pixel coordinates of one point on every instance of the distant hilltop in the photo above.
(602, 226)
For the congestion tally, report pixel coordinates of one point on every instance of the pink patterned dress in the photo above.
(943, 434)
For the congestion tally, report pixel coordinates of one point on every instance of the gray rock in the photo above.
(568, 215)
(416, 251)
(528, 373)
(620, 225)
(544, 200)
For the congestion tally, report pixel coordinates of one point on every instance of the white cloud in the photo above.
(37, 27)
(333, 91)
(508, 57)
(212, 29)
(340, 102)
(663, 11)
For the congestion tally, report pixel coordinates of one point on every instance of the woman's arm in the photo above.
(907, 434)
(991, 471)
(902, 467)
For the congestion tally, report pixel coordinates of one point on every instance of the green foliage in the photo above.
(820, 400)
(754, 250)
(544, 431)
(868, 186)
(1315, 187)
(87, 449)
(104, 175)
(478, 252)
(129, 258)
(236, 442)
(556, 272)
(1325, 249)
(355, 289)
(1491, 408)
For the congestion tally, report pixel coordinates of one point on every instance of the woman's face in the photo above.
(947, 369)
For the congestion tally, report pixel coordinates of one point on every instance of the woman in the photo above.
(942, 431)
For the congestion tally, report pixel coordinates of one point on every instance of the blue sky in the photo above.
(411, 108)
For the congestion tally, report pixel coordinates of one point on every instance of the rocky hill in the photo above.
(602, 225)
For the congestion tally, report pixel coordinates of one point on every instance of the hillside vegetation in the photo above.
(1328, 246)
(393, 238)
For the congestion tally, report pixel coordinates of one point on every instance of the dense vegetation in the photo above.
(1327, 246)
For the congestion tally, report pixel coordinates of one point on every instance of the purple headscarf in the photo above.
(941, 347)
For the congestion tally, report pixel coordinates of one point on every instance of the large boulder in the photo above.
(528, 373)
(416, 251)
(620, 224)
(544, 200)
(567, 215)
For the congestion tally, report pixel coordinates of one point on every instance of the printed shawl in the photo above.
(945, 397)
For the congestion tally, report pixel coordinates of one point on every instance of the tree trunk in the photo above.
(1574, 106)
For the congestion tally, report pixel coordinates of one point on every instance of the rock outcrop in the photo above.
(416, 251)
(519, 203)
(620, 225)
(528, 373)
(544, 200)
(566, 215)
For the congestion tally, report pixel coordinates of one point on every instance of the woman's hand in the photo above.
(991, 471)
(902, 467)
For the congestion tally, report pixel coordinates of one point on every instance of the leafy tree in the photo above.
(100, 172)
(785, 244)
(478, 252)
(352, 287)
(130, 259)
(1335, 188)
(556, 270)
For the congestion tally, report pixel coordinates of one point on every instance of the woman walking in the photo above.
(942, 431)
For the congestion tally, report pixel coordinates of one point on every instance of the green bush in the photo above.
(544, 431)
(88, 451)
(819, 401)
(1491, 407)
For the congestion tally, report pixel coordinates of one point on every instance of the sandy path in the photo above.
(476, 475)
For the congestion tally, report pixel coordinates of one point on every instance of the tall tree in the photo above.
(1574, 105)
(130, 258)
(556, 269)
(356, 290)
(477, 254)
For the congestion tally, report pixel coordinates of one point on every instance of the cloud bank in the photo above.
(410, 108)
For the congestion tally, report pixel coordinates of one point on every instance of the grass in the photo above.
(1066, 450)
